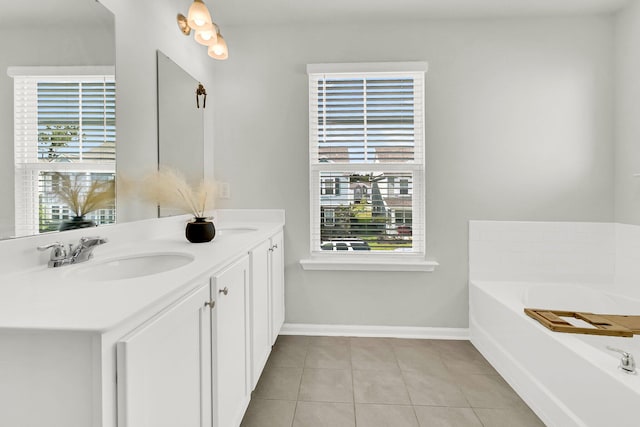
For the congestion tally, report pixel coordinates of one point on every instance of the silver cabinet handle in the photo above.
(275, 246)
(224, 291)
(210, 304)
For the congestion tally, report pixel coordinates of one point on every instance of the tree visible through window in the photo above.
(366, 157)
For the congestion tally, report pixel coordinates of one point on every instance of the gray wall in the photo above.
(519, 127)
(627, 160)
(142, 27)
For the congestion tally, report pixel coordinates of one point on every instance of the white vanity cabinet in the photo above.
(266, 301)
(189, 365)
(231, 345)
(181, 348)
(276, 275)
(164, 367)
(260, 309)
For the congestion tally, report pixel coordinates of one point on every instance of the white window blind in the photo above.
(367, 158)
(64, 129)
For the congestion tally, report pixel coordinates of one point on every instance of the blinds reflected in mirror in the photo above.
(76, 121)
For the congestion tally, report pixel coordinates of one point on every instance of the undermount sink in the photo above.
(128, 267)
(235, 230)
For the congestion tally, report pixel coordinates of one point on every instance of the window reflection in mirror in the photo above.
(57, 86)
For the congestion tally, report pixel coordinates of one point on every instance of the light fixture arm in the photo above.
(183, 25)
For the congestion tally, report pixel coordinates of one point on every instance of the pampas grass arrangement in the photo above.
(73, 191)
(168, 188)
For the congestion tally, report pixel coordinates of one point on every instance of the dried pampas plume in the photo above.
(168, 187)
(82, 197)
(127, 186)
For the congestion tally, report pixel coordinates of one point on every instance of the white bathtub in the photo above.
(567, 379)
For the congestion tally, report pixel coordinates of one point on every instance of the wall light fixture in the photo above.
(207, 32)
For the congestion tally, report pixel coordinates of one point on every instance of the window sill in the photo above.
(334, 264)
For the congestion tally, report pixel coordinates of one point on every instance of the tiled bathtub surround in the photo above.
(627, 268)
(604, 255)
(541, 251)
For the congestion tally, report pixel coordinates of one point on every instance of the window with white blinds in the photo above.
(64, 131)
(366, 132)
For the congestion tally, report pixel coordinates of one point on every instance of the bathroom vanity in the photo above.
(153, 331)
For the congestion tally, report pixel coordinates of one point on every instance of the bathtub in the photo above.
(567, 379)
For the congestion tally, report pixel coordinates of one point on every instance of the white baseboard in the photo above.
(375, 331)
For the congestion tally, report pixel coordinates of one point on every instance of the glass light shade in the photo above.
(207, 36)
(199, 16)
(219, 49)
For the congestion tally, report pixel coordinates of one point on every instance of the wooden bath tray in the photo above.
(603, 324)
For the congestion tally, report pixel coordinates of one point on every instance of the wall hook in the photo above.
(201, 91)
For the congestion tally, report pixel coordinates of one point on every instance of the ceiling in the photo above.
(52, 12)
(236, 12)
(228, 12)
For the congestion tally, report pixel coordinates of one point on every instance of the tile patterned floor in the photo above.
(382, 382)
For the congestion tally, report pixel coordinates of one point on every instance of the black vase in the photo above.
(76, 222)
(200, 231)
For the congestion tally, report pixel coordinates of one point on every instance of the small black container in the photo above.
(200, 230)
(76, 222)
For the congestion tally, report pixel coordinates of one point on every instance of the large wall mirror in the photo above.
(57, 114)
(180, 123)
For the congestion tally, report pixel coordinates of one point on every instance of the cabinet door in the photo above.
(231, 343)
(260, 311)
(277, 285)
(164, 368)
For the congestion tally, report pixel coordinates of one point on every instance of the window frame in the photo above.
(347, 260)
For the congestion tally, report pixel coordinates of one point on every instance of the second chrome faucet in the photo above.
(63, 255)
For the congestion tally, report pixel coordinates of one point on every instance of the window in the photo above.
(404, 187)
(329, 217)
(403, 216)
(367, 158)
(331, 186)
(64, 131)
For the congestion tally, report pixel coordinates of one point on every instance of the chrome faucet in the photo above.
(63, 255)
(627, 363)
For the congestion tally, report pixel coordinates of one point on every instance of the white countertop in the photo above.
(43, 298)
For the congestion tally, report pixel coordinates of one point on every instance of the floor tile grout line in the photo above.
(404, 381)
(293, 418)
(415, 414)
(324, 401)
(295, 410)
(478, 417)
(390, 404)
(353, 385)
(454, 381)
